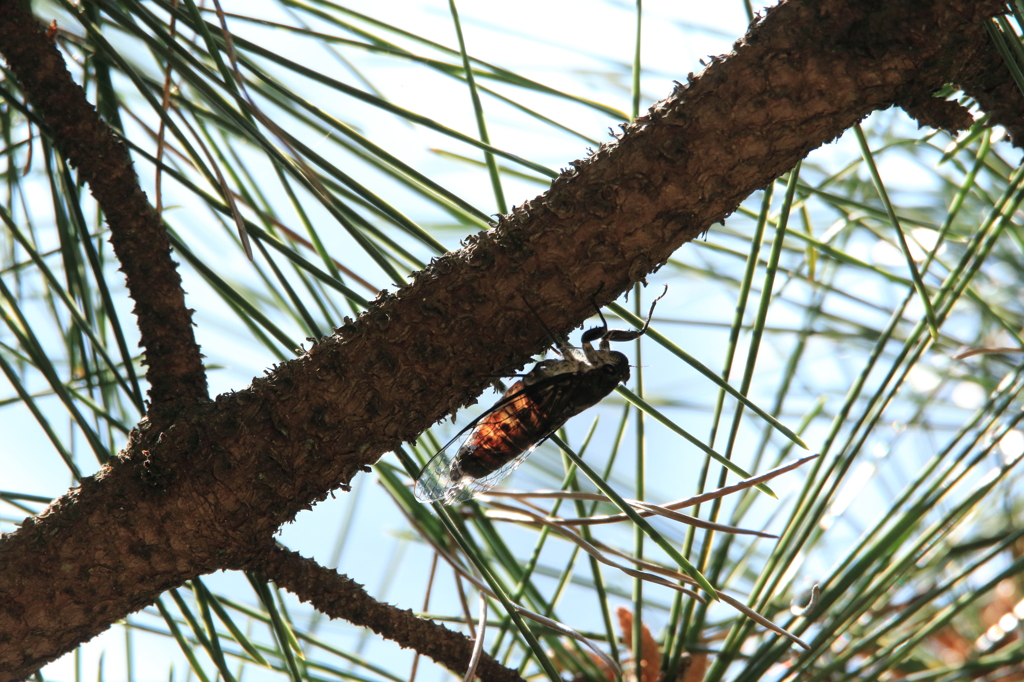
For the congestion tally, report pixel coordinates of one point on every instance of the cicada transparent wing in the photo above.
(438, 483)
(495, 443)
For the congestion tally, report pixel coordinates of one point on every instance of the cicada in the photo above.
(530, 410)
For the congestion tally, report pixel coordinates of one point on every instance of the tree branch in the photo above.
(197, 496)
(341, 597)
(175, 370)
(987, 80)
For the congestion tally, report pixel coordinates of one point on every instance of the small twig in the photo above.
(478, 646)
(679, 504)
(970, 352)
(526, 613)
(654, 568)
(651, 509)
(602, 557)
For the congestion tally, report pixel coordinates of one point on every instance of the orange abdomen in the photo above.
(504, 434)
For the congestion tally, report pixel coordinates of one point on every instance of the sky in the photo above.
(581, 47)
(571, 45)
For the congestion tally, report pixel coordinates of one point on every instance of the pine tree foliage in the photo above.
(316, 170)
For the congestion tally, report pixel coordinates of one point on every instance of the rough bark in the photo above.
(198, 495)
(340, 597)
(175, 369)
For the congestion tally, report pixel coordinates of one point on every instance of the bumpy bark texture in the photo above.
(340, 597)
(199, 495)
(175, 371)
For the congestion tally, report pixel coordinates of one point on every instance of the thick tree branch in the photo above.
(175, 370)
(195, 497)
(341, 597)
(990, 83)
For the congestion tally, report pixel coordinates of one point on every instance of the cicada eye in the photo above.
(610, 369)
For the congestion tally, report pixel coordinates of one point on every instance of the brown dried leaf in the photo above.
(650, 657)
(695, 669)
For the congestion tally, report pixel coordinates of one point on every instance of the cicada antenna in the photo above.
(551, 335)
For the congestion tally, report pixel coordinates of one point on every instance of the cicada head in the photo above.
(605, 370)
